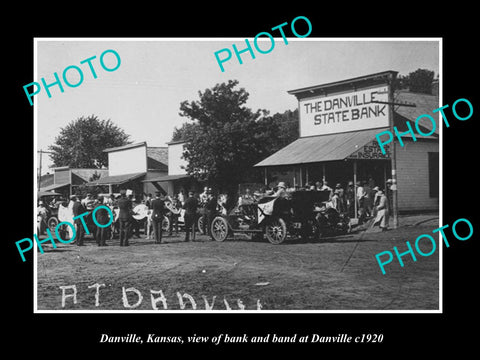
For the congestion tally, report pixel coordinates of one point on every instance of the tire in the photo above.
(165, 223)
(219, 229)
(200, 224)
(276, 231)
(52, 223)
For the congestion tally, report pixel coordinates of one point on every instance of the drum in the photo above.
(140, 212)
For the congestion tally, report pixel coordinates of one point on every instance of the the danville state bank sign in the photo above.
(344, 112)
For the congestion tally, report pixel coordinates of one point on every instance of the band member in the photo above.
(124, 216)
(174, 214)
(210, 210)
(102, 217)
(78, 209)
(190, 206)
(203, 197)
(158, 207)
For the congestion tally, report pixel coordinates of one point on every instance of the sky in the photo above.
(143, 95)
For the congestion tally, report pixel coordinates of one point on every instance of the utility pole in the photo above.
(393, 154)
(39, 174)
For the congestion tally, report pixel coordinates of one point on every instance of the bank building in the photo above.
(338, 124)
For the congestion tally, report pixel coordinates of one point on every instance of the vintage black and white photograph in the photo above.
(268, 174)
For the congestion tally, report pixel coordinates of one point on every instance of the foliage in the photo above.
(418, 81)
(227, 138)
(80, 144)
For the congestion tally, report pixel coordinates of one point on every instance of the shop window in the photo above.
(433, 174)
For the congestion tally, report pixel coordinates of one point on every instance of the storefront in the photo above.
(130, 165)
(338, 123)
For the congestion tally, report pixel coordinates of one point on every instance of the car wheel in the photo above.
(219, 229)
(200, 225)
(165, 224)
(276, 231)
(52, 223)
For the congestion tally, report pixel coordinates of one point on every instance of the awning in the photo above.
(47, 193)
(116, 179)
(54, 187)
(329, 147)
(166, 178)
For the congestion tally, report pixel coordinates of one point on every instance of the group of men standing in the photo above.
(84, 224)
(371, 201)
(190, 205)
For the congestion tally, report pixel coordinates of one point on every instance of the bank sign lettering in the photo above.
(351, 111)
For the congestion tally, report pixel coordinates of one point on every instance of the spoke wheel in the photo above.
(165, 224)
(276, 231)
(52, 223)
(200, 225)
(219, 229)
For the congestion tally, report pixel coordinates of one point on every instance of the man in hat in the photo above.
(341, 197)
(204, 195)
(381, 208)
(89, 202)
(190, 205)
(210, 210)
(361, 202)
(125, 211)
(389, 193)
(350, 199)
(77, 210)
(102, 216)
(281, 190)
(158, 206)
(174, 214)
(325, 187)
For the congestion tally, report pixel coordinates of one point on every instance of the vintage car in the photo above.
(302, 214)
(51, 201)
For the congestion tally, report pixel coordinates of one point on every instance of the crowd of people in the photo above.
(372, 202)
(131, 214)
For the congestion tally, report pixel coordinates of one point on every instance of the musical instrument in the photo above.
(169, 205)
(140, 212)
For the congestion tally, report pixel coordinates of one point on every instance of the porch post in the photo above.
(355, 187)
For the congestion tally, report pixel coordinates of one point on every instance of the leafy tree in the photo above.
(420, 81)
(80, 144)
(184, 132)
(223, 145)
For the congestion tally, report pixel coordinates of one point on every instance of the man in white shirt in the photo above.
(361, 194)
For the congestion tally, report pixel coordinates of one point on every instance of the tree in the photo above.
(418, 81)
(223, 145)
(184, 132)
(80, 144)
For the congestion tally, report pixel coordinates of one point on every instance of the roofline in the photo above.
(76, 168)
(128, 146)
(176, 142)
(342, 82)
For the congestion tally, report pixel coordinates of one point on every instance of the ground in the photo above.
(337, 273)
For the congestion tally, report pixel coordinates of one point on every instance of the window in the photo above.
(433, 174)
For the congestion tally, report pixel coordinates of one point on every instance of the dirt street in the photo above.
(338, 273)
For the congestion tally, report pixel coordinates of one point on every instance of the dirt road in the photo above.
(338, 273)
